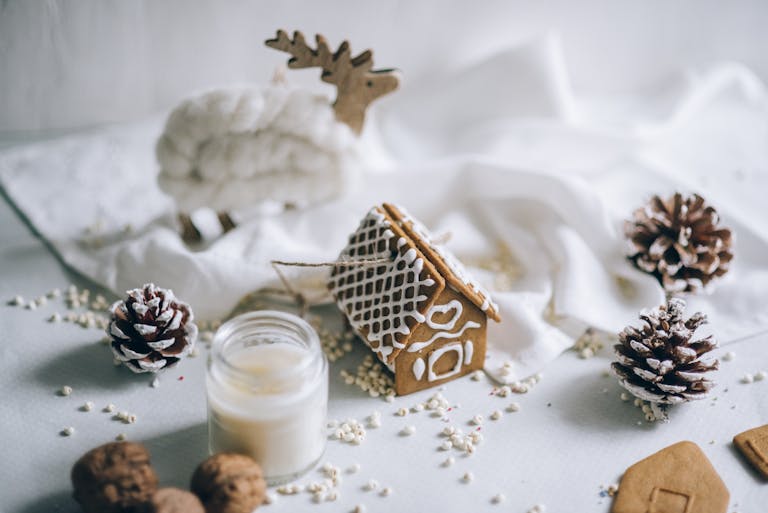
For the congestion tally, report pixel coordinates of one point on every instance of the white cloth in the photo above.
(503, 156)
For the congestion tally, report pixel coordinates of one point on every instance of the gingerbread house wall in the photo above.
(450, 344)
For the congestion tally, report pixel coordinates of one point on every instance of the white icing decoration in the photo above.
(418, 368)
(451, 305)
(159, 345)
(469, 350)
(144, 329)
(369, 295)
(437, 353)
(418, 346)
(456, 267)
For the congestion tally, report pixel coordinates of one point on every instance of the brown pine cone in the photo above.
(114, 478)
(661, 362)
(229, 483)
(151, 330)
(680, 242)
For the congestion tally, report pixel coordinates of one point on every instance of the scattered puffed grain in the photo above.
(747, 378)
(120, 437)
(155, 382)
(109, 408)
(88, 406)
(477, 375)
(513, 407)
(386, 492)
(55, 317)
(496, 415)
(499, 497)
(468, 477)
(729, 356)
(448, 461)
(449, 430)
(760, 375)
(68, 431)
(353, 469)
(371, 485)
(408, 430)
(477, 419)
(359, 508)
(401, 412)
(65, 391)
(446, 445)
(418, 407)
(624, 397)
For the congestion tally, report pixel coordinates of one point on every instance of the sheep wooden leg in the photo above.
(226, 221)
(189, 231)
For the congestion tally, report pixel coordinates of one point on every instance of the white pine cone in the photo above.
(151, 330)
(679, 241)
(660, 362)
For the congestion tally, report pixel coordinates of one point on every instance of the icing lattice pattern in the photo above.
(383, 301)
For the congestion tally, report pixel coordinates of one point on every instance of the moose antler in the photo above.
(357, 85)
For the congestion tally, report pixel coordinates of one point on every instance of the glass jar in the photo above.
(267, 387)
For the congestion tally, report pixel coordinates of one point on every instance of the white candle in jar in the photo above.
(267, 389)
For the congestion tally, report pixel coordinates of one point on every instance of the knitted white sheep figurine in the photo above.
(231, 150)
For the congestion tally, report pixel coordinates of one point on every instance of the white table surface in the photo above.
(572, 435)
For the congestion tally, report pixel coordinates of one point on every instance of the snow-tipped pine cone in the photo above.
(661, 362)
(679, 240)
(151, 330)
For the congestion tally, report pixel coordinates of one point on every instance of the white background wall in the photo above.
(76, 63)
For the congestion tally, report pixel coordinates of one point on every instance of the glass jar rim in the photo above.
(294, 328)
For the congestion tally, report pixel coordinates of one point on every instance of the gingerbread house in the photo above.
(411, 301)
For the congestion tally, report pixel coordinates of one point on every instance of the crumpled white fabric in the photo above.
(530, 180)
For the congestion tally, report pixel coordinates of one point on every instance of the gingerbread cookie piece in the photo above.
(173, 500)
(677, 479)
(229, 483)
(753, 444)
(113, 478)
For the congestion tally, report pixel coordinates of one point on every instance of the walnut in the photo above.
(173, 500)
(113, 478)
(229, 483)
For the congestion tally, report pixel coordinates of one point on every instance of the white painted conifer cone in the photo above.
(233, 149)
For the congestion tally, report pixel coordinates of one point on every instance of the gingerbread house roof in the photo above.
(401, 275)
(446, 263)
